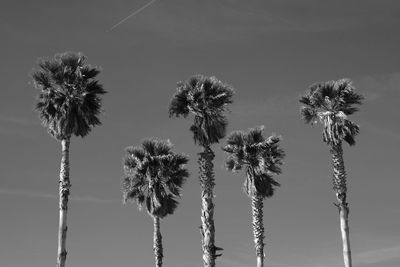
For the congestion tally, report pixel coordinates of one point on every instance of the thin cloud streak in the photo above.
(243, 258)
(33, 194)
(232, 262)
(377, 255)
(17, 121)
(17, 126)
(132, 14)
(381, 131)
(376, 86)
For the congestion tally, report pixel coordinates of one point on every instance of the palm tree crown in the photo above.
(207, 98)
(330, 103)
(154, 176)
(69, 101)
(262, 158)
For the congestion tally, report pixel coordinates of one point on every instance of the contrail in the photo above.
(34, 194)
(131, 15)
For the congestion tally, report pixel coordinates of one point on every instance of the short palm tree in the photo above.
(154, 176)
(68, 104)
(261, 157)
(331, 103)
(207, 99)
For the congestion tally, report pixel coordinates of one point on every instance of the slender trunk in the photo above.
(157, 242)
(64, 186)
(207, 207)
(258, 228)
(339, 185)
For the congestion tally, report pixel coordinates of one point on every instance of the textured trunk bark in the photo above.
(258, 228)
(339, 185)
(207, 207)
(157, 242)
(64, 186)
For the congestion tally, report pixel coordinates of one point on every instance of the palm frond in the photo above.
(207, 98)
(308, 114)
(262, 157)
(330, 103)
(254, 135)
(235, 138)
(350, 131)
(230, 164)
(135, 151)
(69, 101)
(163, 147)
(150, 146)
(155, 175)
(179, 105)
(88, 72)
(265, 185)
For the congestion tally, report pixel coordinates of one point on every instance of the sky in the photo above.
(270, 52)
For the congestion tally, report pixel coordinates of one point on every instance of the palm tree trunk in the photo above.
(64, 186)
(339, 185)
(207, 207)
(258, 228)
(157, 242)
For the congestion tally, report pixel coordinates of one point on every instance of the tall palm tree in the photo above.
(331, 103)
(154, 176)
(261, 157)
(207, 99)
(68, 104)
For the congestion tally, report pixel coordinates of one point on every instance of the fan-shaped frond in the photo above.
(209, 129)
(207, 98)
(235, 139)
(163, 148)
(254, 136)
(230, 164)
(308, 114)
(137, 152)
(330, 103)
(179, 105)
(262, 157)
(69, 101)
(155, 174)
(133, 188)
(167, 206)
(265, 185)
(260, 185)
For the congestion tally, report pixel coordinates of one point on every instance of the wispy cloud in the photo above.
(35, 194)
(12, 125)
(273, 106)
(237, 263)
(382, 93)
(20, 121)
(23, 193)
(232, 262)
(375, 86)
(377, 255)
(242, 255)
(382, 131)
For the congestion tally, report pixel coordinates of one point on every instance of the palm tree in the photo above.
(207, 98)
(331, 103)
(261, 157)
(68, 104)
(154, 176)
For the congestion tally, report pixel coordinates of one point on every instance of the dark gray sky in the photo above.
(270, 52)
